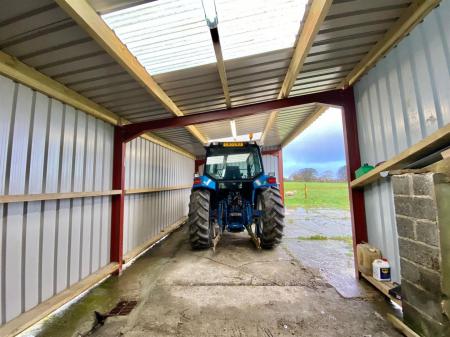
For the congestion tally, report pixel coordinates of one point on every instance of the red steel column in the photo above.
(118, 183)
(353, 158)
(280, 172)
(198, 163)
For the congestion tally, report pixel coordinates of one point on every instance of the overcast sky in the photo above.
(320, 146)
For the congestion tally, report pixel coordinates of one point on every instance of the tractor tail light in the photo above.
(272, 180)
(197, 181)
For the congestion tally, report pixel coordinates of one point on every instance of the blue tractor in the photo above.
(235, 194)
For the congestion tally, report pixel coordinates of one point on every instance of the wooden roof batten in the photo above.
(88, 19)
(315, 16)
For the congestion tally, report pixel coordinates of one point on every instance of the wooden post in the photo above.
(117, 207)
(306, 192)
(353, 159)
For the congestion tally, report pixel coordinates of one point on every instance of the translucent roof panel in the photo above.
(257, 26)
(168, 35)
(165, 35)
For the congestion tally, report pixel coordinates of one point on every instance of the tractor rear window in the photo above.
(233, 163)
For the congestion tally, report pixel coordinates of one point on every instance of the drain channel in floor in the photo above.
(122, 308)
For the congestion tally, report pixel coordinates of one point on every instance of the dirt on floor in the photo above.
(235, 291)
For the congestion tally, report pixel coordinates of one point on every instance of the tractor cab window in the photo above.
(233, 164)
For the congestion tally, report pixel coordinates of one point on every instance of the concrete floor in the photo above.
(236, 291)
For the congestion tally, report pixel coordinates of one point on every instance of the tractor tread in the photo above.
(273, 217)
(198, 220)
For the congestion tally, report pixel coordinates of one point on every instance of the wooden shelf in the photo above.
(384, 287)
(426, 146)
(54, 196)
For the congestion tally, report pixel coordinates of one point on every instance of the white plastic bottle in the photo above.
(381, 270)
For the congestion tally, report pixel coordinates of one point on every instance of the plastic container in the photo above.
(366, 255)
(381, 270)
(363, 170)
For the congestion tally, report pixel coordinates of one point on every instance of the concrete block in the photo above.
(401, 185)
(403, 205)
(423, 184)
(425, 301)
(428, 232)
(429, 280)
(405, 227)
(423, 208)
(420, 253)
(422, 324)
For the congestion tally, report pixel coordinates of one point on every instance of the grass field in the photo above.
(318, 194)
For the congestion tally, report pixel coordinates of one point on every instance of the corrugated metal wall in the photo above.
(148, 165)
(270, 163)
(49, 147)
(405, 98)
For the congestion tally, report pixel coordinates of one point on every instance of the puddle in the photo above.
(333, 258)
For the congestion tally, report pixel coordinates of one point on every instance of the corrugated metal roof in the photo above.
(350, 30)
(40, 34)
(288, 119)
(182, 138)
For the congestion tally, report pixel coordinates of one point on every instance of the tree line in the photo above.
(311, 174)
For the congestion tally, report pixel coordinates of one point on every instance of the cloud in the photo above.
(320, 146)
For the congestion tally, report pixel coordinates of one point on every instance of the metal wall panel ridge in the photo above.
(148, 165)
(402, 100)
(49, 147)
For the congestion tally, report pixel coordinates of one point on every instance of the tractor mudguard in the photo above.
(263, 182)
(204, 182)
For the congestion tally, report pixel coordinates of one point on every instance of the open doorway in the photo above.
(318, 220)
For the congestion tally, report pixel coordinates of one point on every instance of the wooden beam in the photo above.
(157, 189)
(86, 17)
(401, 326)
(221, 65)
(409, 19)
(304, 124)
(11, 67)
(54, 196)
(383, 287)
(427, 145)
(269, 124)
(18, 71)
(308, 31)
(42, 310)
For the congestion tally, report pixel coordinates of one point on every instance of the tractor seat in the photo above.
(232, 173)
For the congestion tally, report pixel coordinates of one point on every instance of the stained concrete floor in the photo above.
(236, 291)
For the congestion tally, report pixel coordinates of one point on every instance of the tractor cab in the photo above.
(235, 194)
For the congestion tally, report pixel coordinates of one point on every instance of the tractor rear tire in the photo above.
(198, 220)
(273, 217)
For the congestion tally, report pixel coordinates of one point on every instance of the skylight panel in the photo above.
(165, 35)
(257, 26)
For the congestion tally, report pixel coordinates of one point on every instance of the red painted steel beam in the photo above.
(117, 207)
(198, 163)
(357, 208)
(280, 173)
(333, 97)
